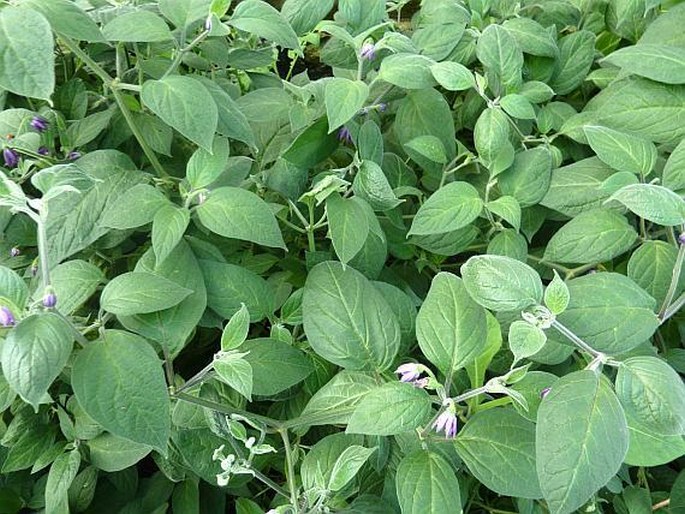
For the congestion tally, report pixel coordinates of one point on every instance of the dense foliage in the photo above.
(356, 256)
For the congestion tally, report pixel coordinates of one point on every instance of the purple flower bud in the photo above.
(39, 124)
(344, 135)
(50, 300)
(6, 317)
(72, 156)
(43, 150)
(382, 107)
(447, 421)
(368, 51)
(11, 157)
(545, 392)
(681, 238)
(421, 383)
(15, 252)
(410, 371)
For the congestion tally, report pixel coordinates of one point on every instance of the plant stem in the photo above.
(661, 504)
(197, 378)
(274, 424)
(552, 265)
(290, 469)
(179, 55)
(675, 278)
(575, 339)
(43, 248)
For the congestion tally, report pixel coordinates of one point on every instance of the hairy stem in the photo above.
(675, 278)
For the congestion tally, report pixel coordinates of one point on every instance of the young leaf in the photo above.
(141, 292)
(653, 203)
(491, 137)
(348, 226)
(236, 330)
(500, 283)
(335, 402)
(408, 71)
(265, 355)
(390, 409)
(453, 76)
(262, 19)
(557, 295)
(371, 184)
(168, 226)
(62, 473)
(525, 339)
(236, 373)
(507, 208)
(204, 167)
(450, 327)
(623, 152)
(426, 482)
(240, 214)
(347, 466)
(119, 378)
(450, 208)
(652, 393)
(344, 98)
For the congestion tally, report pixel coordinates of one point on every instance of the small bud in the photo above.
(43, 150)
(15, 252)
(39, 124)
(681, 238)
(382, 107)
(446, 421)
(409, 372)
(421, 383)
(368, 51)
(545, 392)
(344, 135)
(208, 24)
(73, 155)
(11, 157)
(6, 317)
(49, 299)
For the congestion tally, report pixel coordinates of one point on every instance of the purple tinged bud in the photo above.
(50, 300)
(421, 383)
(39, 124)
(382, 107)
(72, 156)
(11, 157)
(368, 51)
(446, 421)
(545, 392)
(6, 317)
(43, 150)
(344, 135)
(409, 372)
(15, 252)
(681, 238)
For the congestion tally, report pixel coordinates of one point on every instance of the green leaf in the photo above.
(425, 482)
(673, 176)
(168, 226)
(557, 296)
(236, 373)
(335, 402)
(67, 18)
(266, 355)
(518, 106)
(525, 339)
(500, 53)
(500, 283)
(204, 167)
(240, 214)
(507, 208)
(593, 236)
(236, 330)
(119, 378)
(451, 328)
(139, 26)
(26, 51)
(532, 37)
(34, 354)
(408, 71)
(13, 287)
(529, 177)
(491, 137)
(230, 286)
(311, 146)
(139, 292)
(498, 446)
(347, 321)
(135, 208)
(303, 15)
(318, 463)
(450, 208)
(651, 267)
(62, 473)
(111, 453)
(184, 12)
(348, 226)
(653, 393)
(509, 243)
(231, 121)
(370, 142)
(609, 312)
(347, 466)
(453, 76)
(648, 448)
(429, 147)
(390, 409)
(344, 98)
(663, 63)
(576, 55)
(621, 151)
(262, 19)
(653, 203)
(185, 104)
(371, 184)
(581, 440)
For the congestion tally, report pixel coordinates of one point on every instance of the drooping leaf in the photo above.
(663, 63)
(652, 202)
(621, 151)
(426, 482)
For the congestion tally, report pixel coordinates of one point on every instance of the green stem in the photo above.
(43, 248)
(197, 378)
(310, 228)
(179, 55)
(552, 265)
(290, 469)
(675, 279)
(227, 410)
(673, 308)
(576, 340)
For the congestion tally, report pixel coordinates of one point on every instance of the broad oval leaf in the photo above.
(408, 71)
(240, 214)
(371, 185)
(347, 320)
(581, 440)
(111, 453)
(653, 393)
(425, 482)
(67, 18)
(348, 226)
(168, 226)
(266, 355)
(390, 409)
(451, 328)
(651, 267)
(119, 382)
(663, 63)
(139, 292)
(344, 98)
(621, 151)
(500, 53)
(501, 283)
(34, 353)
(498, 446)
(138, 26)
(262, 19)
(653, 203)
(453, 76)
(450, 208)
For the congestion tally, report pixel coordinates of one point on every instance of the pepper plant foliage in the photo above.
(355, 256)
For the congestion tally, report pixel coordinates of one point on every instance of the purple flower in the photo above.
(344, 135)
(6, 317)
(410, 371)
(73, 155)
(382, 107)
(368, 51)
(15, 252)
(545, 392)
(447, 421)
(43, 150)
(681, 238)
(50, 300)
(39, 124)
(11, 157)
